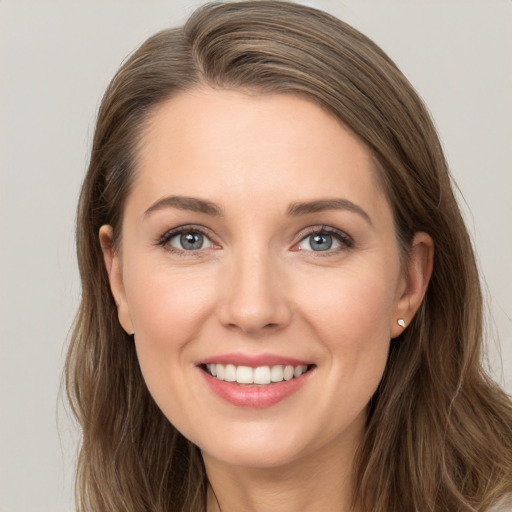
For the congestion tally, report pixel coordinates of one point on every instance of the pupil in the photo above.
(192, 241)
(321, 242)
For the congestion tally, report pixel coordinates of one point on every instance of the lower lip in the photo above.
(255, 396)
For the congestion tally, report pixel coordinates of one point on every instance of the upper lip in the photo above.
(253, 360)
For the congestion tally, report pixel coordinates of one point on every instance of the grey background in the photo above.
(56, 58)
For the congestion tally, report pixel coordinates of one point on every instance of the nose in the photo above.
(254, 300)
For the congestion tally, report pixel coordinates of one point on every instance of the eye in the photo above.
(321, 240)
(191, 241)
(185, 240)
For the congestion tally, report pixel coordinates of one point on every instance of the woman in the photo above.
(264, 325)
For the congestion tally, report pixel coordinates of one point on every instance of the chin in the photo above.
(265, 446)
(246, 453)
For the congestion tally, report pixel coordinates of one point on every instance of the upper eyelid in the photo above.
(184, 229)
(321, 228)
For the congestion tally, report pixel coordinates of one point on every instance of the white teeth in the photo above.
(299, 370)
(230, 373)
(244, 375)
(288, 372)
(259, 375)
(276, 374)
(262, 375)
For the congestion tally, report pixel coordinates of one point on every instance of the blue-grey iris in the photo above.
(191, 241)
(320, 242)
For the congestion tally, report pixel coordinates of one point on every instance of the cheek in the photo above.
(351, 318)
(354, 308)
(168, 312)
(168, 308)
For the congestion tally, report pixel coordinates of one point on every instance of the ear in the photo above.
(413, 282)
(115, 276)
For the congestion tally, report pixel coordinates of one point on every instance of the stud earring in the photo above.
(401, 323)
(132, 333)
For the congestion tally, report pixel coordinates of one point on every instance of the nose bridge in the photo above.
(255, 299)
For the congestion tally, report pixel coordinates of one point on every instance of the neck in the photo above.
(319, 481)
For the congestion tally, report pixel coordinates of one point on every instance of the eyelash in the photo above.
(346, 241)
(168, 235)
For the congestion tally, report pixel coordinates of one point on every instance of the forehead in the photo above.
(223, 143)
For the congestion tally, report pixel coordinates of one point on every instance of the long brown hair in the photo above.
(439, 431)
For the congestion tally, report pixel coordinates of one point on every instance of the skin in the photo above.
(256, 286)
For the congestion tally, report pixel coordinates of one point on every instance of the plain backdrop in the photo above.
(56, 58)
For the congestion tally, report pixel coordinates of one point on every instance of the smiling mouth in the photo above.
(261, 375)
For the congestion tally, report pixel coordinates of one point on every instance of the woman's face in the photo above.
(257, 244)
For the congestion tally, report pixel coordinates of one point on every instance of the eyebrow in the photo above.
(192, 204)
(320, 205)
(295, 209)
